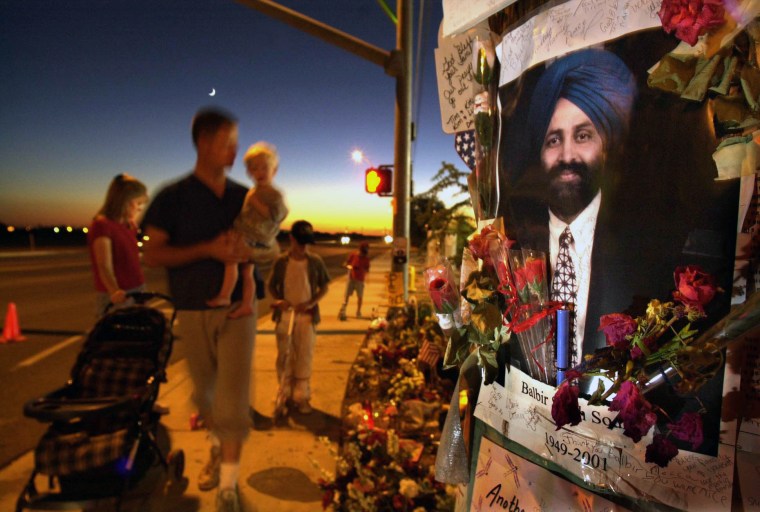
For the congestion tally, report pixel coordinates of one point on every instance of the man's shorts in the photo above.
(354, 284)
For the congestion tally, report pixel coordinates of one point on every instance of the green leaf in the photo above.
(486, 317)
(457, 349)
(487, 361)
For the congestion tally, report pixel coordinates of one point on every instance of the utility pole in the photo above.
(398, 64)
(402, 161)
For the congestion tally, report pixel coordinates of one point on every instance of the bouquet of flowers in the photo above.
(377, 470)
(485, 330)
(531, 318)
(507, 293)
(641, 351)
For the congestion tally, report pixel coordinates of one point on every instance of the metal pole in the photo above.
(323, 31)
(403, 131)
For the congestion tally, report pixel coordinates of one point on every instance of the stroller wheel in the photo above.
(176, 464)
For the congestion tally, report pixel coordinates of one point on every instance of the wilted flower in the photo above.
(661, 451)
(694, 287)
(617, 327)
(691, 18)
(636, 413)
(565, 408)
(688, 429)
(657, 311)
(480, 243)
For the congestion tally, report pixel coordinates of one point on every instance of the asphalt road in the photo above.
(54, 298)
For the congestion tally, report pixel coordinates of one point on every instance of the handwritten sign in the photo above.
(505, 481)
(604, 457)
(453, 64)
(570, 26)
(460, 15)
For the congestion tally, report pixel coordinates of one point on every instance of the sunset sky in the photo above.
(92, 89)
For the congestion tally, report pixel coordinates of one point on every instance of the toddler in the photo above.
(258, 223)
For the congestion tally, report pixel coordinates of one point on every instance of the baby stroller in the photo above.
(102, 435)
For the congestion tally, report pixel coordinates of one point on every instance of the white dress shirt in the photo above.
(582, 228)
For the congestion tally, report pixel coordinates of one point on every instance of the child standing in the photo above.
(258, 223)
(297, 283)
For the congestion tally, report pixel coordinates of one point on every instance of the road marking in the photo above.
(29, 361)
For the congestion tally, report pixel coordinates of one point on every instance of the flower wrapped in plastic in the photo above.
(531, 318)
(485, 119)
(443, 290)
(484, 331)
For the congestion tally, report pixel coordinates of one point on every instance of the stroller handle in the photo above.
(142, 297)
(51, 409)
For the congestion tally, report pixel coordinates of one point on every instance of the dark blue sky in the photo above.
(92, 88)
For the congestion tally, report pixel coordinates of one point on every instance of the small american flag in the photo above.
(464, 143)
(430, 353)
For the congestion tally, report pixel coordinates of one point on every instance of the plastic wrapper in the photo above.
(443, 288)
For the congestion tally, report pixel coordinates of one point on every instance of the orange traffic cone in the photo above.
(11, 330)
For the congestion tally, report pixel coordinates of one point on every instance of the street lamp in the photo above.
(357, 156)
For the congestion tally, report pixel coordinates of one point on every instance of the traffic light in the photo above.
(379, 180)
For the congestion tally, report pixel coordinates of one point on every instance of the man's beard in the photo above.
(566, 199)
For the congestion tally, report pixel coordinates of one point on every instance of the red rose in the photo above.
(565, 408)
(534, 271)
(691, 18)
(661, 451)
(616, 327)
(694, 287)
(635, 412)
(688, 429)
(530, 278)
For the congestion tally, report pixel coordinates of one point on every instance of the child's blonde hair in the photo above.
(265, 149)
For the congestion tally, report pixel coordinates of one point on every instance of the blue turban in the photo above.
(595, 81)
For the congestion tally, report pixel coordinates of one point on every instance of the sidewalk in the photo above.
(281, 464)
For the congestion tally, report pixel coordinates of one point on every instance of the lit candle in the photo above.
(563, 343)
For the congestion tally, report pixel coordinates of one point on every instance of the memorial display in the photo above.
(612, 275)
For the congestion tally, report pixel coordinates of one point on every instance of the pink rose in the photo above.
(617, 327)
(691, 18)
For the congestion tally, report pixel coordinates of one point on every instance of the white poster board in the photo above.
(505, 481)
(521, 411)
(460, 15)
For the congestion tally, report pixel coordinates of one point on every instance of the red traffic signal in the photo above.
(379, 180)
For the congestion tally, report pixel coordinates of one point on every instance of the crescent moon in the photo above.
(213, 92)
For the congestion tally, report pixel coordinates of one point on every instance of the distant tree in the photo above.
(424, 217)
(439, 219)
